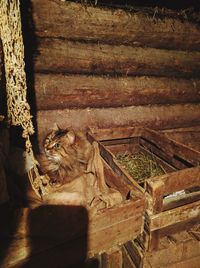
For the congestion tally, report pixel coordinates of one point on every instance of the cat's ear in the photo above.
(55, 127)
(71, 136)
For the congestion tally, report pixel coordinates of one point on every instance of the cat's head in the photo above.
(58, 142)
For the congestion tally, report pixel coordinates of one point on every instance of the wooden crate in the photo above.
(163, 215)
(60, 235)
(178, 250)
(188, 136)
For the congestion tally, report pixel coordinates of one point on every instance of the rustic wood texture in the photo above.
(171, 148)
(112, 260)
(57, 55)
(58, 91)
(173, 182)
(159, 117)
(25, 252)
(179, 250)
(78, 22)
(135, 253)
(175, 216)
(188, 136)
(179, 209)
(127, 261)
(66, 225)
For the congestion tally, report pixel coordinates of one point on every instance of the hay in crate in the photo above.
(140, 166)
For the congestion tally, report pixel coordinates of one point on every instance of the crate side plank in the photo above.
(172, 147)
(175, 181)
(113, 259)
(118, 234)
(175, 253)
(127, 261)
(112, 216)
(176, 215)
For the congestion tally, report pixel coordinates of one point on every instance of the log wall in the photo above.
(110, 67)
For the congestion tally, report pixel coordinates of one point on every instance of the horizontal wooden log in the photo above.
(158, 117)
(77, 22)
(58, 55)
(57, 91)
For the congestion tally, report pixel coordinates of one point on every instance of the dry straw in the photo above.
(140, 166)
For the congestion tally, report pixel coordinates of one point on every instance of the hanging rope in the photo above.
(18, 107)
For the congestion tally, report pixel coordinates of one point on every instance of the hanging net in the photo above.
(18, 107)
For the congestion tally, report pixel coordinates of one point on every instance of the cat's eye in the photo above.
(57, 145)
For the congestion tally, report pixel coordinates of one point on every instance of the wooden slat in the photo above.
(112, 162)
(117, 234)
(135, 252)
(192, 262)
(117, 183)
(159, 117)
(114, 26)
(123, 178)
(116, 133)
(112, 260)
(194, 129)
(174, 149)
(110, 217)
(59, 91)
(173, 182)
(188, 136)
(174, 255)
(101, 233)
(57, 55)
(169, 203)
(127, 261)
(176, 215)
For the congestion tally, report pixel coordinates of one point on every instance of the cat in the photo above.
(66, 155)
(75, 167)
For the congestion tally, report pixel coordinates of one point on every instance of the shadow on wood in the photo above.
(47, 236)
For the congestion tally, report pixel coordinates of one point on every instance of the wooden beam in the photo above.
(58, 91)
(159, 117)
(58, 55)
(74, 21)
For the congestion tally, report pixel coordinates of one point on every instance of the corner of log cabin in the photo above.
(116, 68)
